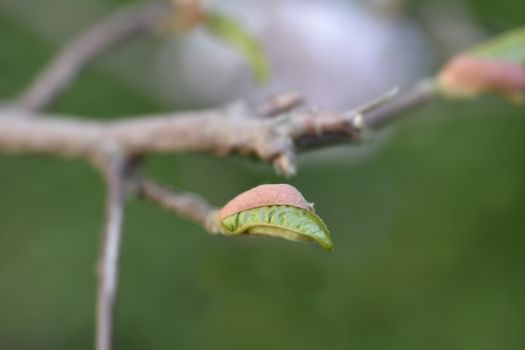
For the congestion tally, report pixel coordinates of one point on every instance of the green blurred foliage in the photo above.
(428, 232)
(501, 15)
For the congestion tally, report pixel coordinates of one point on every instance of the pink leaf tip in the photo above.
(265, 195)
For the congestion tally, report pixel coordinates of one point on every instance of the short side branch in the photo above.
(186, 205)
(420, 94)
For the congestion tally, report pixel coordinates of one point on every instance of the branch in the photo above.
(419, 95)
(68, 63)
(109, 253)
(236, 129)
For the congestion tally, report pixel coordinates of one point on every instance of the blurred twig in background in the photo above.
(105, 35)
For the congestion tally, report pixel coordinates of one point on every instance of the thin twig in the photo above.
(109, 253)
(408, 100)
(68, 63)
(186, 205)
(420, 94)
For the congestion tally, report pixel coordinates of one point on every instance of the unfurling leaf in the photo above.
(248, 46)
(274, 210)
(294, 224)
(495, 66)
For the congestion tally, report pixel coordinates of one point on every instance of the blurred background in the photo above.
(426, 216)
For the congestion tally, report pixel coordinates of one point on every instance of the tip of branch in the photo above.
(378, 102)
(393, 92)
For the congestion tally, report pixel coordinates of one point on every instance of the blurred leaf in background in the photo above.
(510, 46)
(235, 34)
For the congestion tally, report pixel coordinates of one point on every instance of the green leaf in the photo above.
(508, 47)
(291, 223)
(248, 46)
